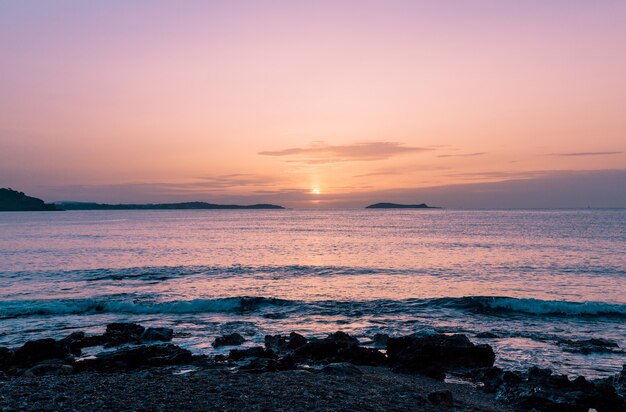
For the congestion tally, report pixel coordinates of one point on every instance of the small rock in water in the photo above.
(487, 335)
(233, 339)
(441, 398)
(121, 333)
(158, 334)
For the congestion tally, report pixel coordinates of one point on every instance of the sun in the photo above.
(315, 191)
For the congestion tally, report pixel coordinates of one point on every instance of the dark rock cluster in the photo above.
(339, 354)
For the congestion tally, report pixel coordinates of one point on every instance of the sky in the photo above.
(315, 104)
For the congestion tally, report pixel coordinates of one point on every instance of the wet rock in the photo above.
(588, 346)
(228, 340)
(74, 342)
(443, 398)
(543, 391)
(6, 358)
(422, 353)
(618, 382)
(49, 367)
(487, 335)
(281, 344)
(135, 357)
(36, 351)
(158, 334)
(254, 352)
(122, 333)
(342, 369)
(380, 339)
(490, 378)
(338, 347)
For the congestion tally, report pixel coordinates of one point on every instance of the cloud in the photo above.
(463, 154)
(585, 154)
(320, 152)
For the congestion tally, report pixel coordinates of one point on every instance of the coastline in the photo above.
(138, 369)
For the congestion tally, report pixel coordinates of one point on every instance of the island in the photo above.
(14, 201)
(399, 206)
(158, 206)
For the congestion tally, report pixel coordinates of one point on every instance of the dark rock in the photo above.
(158, 334)
(338, 347)
(35, 351)
(419, 353)
(50, 367)
(618, 382)
(254, 352)
(342, 369)
(296, 340)
(543, 391)
(276, 343)
(588, 346)
(443, 398)
(6, 358)
(122, 333)
(490, 378)
(135, 357)
(74, 342)
(380, 339)
(487, 335)
(228, 340)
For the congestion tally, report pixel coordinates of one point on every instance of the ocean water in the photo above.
(534, 278)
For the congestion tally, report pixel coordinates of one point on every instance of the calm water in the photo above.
(532, 277)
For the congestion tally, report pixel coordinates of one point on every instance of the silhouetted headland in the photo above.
(159, 206)
(14, 201)
(400, 206)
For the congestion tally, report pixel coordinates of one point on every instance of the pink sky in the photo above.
(133, 101)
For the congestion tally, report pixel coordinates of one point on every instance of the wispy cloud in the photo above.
(585, 154)
(463, 154)
(321, 152)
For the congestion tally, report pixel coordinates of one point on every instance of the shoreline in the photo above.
(139, 369)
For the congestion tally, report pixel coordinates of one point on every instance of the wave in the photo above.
(104, 304)
(531, 306)
(481, 305)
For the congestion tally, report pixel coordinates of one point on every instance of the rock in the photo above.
(6, 358)
(135, 357)
(490, 378)
(588, 346)
(443, 398)
(228, 340)
(50, 367)
(342, 369)
(543, 391)
(380, 339)
(280, 344)
(422, 353)
(487, 335)
(296, 340)
(254, 352)
(74, 342)
(122, 333)
(338, 347)
(158, 334)
(618, 382)
(35, 351)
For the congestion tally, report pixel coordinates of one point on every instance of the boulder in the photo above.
(233, 339)
(338, 347)
(423, 353)
(380, 339)
(158, 334)
(254, 352)
(281, 344)
(6, 358)
(121, 333)
(35, 351)
(135, 357)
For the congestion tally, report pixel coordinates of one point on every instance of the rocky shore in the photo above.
(138, 369)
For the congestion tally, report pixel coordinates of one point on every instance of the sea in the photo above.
(536, 280)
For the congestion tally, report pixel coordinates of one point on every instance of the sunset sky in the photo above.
(315, 104)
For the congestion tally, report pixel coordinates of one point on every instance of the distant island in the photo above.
(14, 201)
(399, 206)
(158, 206)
